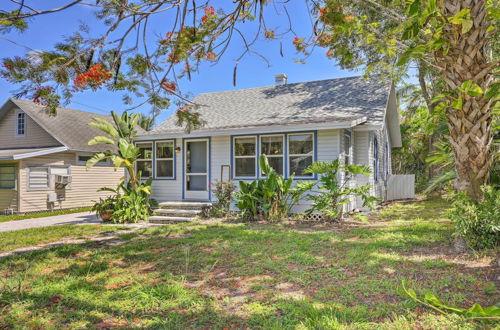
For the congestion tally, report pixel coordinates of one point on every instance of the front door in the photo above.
(196, 169)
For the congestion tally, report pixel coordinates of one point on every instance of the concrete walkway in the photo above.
(83, 218)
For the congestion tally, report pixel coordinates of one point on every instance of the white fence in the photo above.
(400, 187)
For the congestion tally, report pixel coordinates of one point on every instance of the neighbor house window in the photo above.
(300, 153)
(21, 124)
(245, 156)
(82, 160)
(144, 162)
(375, 159)
(272, 147)
(42, 177)
(7, 177)
(164, 159)
(39, 178)
(347, 147)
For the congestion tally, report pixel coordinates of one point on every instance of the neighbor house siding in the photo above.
(35, 136)
(83, 189)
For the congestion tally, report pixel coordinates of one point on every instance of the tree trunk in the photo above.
(470, 127)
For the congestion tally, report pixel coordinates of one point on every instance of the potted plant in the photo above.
(104, 208)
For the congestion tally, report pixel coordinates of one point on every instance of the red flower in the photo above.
(329, 53)
(211, 56)
(94, 78)
(299, 43)
(171, 87)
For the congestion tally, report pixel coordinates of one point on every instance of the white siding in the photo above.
(170, 190)
(220, 154)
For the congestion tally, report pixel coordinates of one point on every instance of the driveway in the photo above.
(83, 218)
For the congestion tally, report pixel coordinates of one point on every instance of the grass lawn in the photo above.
(11, 240)
(223, 275)
(4, 218)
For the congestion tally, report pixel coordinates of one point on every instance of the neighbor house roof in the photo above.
(69, 127)
(353, 99)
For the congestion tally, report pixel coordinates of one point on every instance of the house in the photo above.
(42, 159)
(351, 118)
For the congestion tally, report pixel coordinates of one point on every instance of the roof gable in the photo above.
(69, 127)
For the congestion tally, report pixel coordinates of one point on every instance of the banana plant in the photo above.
(119, 136)
(271, 197)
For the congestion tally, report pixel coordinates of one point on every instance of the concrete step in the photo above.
(165, 219)
(177, 212)
(183, 205)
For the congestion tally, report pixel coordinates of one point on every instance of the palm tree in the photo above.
(467, 59)
(119, 135)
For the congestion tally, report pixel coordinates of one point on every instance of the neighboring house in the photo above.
(42, 159)
(351, 118)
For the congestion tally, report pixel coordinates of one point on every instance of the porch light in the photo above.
(177, 149)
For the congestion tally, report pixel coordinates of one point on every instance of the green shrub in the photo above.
(131, 204)
(272, 197)
(478, 222)
(224, 193)
(332, 194)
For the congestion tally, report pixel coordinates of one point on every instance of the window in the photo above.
(272, 147)
(245, 156)
(20, 124)
(300, 153)
(82, 160)
(7, 177)
(375, 159)
(42, 177)
(38, 178)
(347, 147)
(164, 159)
(386, 160)
(144, 163)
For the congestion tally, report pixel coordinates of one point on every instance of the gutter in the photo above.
(254, 130)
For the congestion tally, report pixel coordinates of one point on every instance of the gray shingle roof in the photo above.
(70, 127)
(331, 100)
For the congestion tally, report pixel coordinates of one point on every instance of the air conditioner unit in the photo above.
(62, 180)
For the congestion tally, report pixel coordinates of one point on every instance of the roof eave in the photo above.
(39, 153)
(256, 129)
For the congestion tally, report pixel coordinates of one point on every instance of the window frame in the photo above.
(288, 155)
(234, 157)
(15, 177)
(347, 134)
(16, 123)
(145, 159)
(105, 162)
(376, 160)
(283, 153)
(156, 159)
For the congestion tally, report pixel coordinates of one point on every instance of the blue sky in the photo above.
(46, 30)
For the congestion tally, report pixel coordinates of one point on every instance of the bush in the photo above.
(478, 222)
(130, 205)
(333, 194)
(272, 197)
(224, 193)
